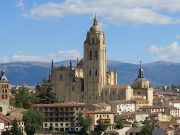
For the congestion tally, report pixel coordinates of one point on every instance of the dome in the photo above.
(95, 26)
(141, 82)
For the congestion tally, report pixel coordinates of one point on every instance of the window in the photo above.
(139, 93)
(1, 109)
(90, 55)
(60, 77)
(2, 96)
(96, 55)
(73, 88)
(93, 40)
(89, 72)
(96, 72)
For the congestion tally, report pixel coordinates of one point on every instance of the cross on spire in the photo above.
(95, 23)
(141, 71)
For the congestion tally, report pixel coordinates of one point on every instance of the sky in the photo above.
(136, 30)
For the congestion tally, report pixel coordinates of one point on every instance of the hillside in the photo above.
(157, 72)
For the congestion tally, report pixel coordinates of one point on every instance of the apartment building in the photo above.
(62, 117)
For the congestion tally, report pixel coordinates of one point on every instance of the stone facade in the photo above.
(90, 82)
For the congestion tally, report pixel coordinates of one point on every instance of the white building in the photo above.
(122, 106)
(175, 103)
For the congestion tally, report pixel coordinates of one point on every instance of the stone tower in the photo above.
(4, 93)
(94, 63)
(142, 87)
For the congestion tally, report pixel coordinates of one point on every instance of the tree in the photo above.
(51, 128)
(147, 129)
(16, 130)
(85, 124)
(23, 99)
(7, 132)
(119, 123)
(46, 94)
(100, 128)
(33, 121)
(135, 124)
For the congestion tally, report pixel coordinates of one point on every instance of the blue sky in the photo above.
(41, 30)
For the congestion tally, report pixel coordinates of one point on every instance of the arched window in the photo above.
(96, 72)
(93, 41)
(60, 77)
(89, 72)
(90, 55)
(73, 88)
(2, 96)
(6, 97)
(96, 55)
(1, 109)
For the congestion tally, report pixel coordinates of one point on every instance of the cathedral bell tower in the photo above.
(94, 63)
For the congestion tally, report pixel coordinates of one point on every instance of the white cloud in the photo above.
(177, 36)
(20, 4)
(4, 59)
(113, 11)
(59, 56)
(168, 53)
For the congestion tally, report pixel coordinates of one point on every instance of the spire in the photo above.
(3, 76)
(95, 26)
(52, 66)
(141, 71)
(114, 70)
(3, 70)
(70, 64)
(95, 23)
(77, 61)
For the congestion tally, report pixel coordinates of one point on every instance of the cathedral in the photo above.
(90, 82)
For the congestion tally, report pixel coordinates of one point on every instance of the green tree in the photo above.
(51, 128)
(33, 121)
(100, 128)
(7, 132)
(23, 99)
(46, 94)
(147, 129)
(16, 130)
(135, 124)
(119, 122)
(85, 123)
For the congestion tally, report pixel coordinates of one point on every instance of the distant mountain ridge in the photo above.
(159, 73)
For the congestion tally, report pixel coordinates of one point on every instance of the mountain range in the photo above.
(159, 73)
